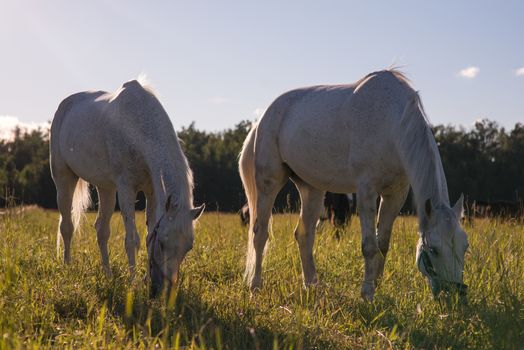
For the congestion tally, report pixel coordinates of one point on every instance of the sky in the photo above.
(216, 63)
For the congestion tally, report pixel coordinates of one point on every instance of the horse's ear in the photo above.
(428, 208)
(458, 208)
(196, 212)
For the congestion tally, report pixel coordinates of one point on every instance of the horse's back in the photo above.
(77, 136)
(329, 136)
(102, 136)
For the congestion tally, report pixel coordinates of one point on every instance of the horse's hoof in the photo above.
(312, 283)
(368, 298)
(255, 285)
(367, 292)
(255, 288)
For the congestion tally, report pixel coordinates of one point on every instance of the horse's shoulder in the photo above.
(132, 90)
(383, 78)
(132, 84)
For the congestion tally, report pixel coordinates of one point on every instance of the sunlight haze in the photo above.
(217, 63)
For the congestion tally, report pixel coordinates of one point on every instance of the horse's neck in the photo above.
(422, 161)
(429, 183)
(170, 175)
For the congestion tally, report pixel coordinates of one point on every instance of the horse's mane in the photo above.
(420, 154)
(181, 172)
(416, 143)
(400, 75)
(395, 71)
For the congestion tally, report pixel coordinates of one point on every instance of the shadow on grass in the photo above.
(199, 324)
(498, 326)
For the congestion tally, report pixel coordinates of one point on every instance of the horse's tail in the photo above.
(81, 201)
(246, 167)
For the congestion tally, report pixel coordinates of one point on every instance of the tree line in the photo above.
(485, 163)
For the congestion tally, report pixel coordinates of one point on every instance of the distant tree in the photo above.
(485, 163)
(24, 169)
(213, 159)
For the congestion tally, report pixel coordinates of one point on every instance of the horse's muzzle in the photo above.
(157, 281)
(439, 285)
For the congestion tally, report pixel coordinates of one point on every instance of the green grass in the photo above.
(44, 303)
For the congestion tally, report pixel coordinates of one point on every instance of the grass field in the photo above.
(46, 304)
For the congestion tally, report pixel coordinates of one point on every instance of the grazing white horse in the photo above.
(372, 138)
(124, 142)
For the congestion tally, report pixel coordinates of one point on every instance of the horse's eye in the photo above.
(433, 251)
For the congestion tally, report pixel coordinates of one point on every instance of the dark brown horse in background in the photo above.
(338, 209)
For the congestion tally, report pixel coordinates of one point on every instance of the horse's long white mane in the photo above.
(420, 152)
(417, 145)
(183, 173)
(177, 168)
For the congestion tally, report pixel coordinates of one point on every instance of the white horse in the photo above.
(372, 138)
(124, 142)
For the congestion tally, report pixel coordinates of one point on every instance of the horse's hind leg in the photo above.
(390, 206)
(106, 206)
(65, 182)
(269, 180)
(311, 207)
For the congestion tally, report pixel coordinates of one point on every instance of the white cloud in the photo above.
(219, 100)
(519, 72)
(8, 124)
(469, 72)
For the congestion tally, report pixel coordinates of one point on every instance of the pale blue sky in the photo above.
(218, 62)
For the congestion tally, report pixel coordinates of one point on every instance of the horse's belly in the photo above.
(322, 174)
(384, 179)
(91, 168)
(339, 162)
(323, 166)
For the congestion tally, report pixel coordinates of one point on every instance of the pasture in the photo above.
(44, 303)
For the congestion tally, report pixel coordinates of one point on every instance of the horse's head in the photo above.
(169, 243)
(441, 248)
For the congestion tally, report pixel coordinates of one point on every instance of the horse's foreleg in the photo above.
(390, 206)
(312, 203)
(151, 221)
(372, 256)
(126, 201)
(106, 206)
(150, 211)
